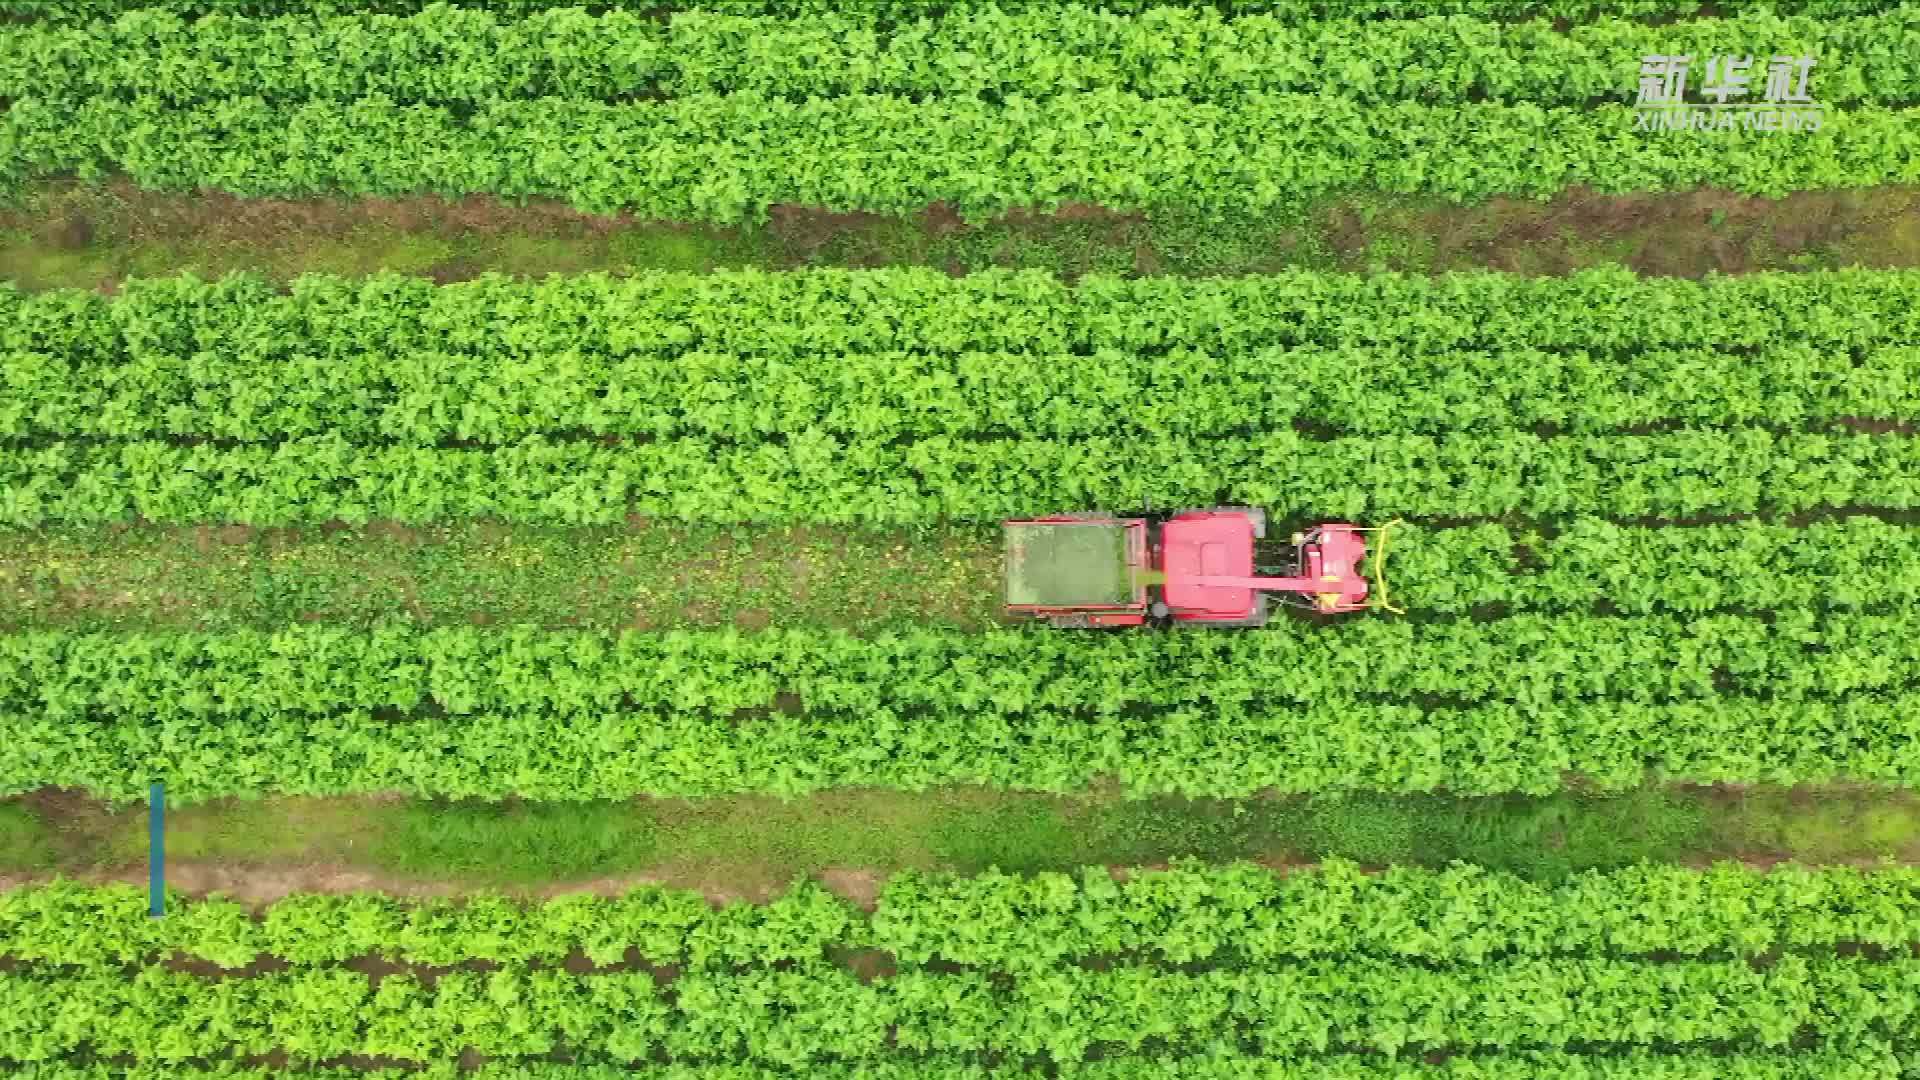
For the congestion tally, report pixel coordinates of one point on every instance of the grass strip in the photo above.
(755, 846)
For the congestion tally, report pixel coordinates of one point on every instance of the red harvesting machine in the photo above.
(1195, 567)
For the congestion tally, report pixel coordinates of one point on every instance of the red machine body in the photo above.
(1207, 558)
(1194, 567)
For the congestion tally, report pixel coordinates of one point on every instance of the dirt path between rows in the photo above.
(97, 235)
(262, 885)
(754, 848)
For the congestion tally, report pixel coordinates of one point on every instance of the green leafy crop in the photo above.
(447, 55)
(730, 158)
(1524, 703)
(1641, 972)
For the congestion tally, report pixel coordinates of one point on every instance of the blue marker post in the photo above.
(157, 849)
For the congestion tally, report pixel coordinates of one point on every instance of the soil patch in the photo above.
(867, 965)
(1878, 427)
(68, 232)
(1682, 234)
(862, 886)
(939, 219)
(808, 229)
(258, 886)
(263, 964)
(237, 217)
(211, 538)
(96, 235)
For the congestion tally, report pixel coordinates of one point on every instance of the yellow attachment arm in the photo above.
(1378, 566)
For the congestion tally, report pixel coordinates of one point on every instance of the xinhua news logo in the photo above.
(1786, 103)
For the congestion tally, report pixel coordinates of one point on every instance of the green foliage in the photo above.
(811, 478)
(889, 12)
(1405, 962)
(668, 927)
(1299, 11)
(1853, 563)
(1526, 659)
(723, 159)
(1515, 705)
(473, 56)
(589, 324)
(1865, 1061)
(1247, 916)
(1230, 916)
(263, 391)
(736, 356)
(798, 1016)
